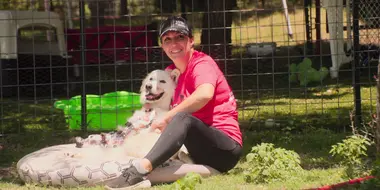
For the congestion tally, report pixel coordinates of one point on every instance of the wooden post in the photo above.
(377, 130)
(318, 26)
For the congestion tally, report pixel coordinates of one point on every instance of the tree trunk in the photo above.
(97, 8)
(69, 13)
(167, 6)
(216, 29)
(123, 7)
(41, 4)
(377, 127)
(47, 5)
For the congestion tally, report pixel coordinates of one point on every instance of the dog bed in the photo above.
(68, 166)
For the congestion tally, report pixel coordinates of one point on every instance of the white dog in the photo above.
(137, 138)
(156, 94)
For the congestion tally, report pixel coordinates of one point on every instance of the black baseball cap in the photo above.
(177, 24)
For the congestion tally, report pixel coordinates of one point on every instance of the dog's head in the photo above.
(158, 86)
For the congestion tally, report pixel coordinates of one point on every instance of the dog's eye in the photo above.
(151, 79)
(162, 81)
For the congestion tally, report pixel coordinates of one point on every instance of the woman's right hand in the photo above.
(160, 125)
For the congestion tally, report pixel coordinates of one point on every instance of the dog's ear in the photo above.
(142, 89)
(143, 82)
(174, 74)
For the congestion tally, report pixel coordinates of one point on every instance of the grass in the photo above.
(303, 114)
(311, 178)
(248, 27)
(331, 104)
(320, 170)
(308, 139)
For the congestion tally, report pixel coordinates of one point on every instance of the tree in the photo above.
(377, 117)
(123, 7)
(97, 8)
(167, 6)
(216, 27)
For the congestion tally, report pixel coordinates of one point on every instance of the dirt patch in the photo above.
(5, 172)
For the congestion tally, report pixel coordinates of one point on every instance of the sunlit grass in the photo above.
(333, 104)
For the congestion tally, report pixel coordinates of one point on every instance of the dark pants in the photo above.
(206, 145)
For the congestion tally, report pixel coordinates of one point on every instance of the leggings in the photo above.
(206, 145)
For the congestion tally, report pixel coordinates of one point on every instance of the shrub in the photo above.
(350, 152)
(267, 164)
(188, 182)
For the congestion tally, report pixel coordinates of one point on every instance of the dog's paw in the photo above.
(157, 131)
(185, 158)
(128, 124)
(72, 155)
(79, 142)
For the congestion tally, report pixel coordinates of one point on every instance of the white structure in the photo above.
(334, 10)
(21, 29)
(261, 49)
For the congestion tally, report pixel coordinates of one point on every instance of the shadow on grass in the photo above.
(313, 145)
(310, 135)
(16, 146)
(309, 94)
(247, 72)
(29, 126)
(310, 140)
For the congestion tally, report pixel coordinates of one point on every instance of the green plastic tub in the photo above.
(104, 112)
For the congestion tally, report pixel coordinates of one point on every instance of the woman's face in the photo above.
(177, 46)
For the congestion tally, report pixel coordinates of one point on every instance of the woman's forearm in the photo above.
(199, 98)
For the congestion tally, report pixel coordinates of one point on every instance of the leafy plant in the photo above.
(188, 182)
(268, 164)
(351, 152)
(373, 183)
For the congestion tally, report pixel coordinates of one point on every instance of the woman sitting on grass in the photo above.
(203, 115)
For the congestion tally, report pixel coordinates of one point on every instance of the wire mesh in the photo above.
(253, 43)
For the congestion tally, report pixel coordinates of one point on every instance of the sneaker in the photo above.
(130, 178)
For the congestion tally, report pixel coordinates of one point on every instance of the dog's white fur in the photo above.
(138, 138)
(155, 93)
(160, 84)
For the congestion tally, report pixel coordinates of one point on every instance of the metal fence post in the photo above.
(356, 64)
(83, 62)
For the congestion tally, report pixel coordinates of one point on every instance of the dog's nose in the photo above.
(148, 87)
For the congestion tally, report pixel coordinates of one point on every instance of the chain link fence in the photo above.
(369, 12)
(259, 45)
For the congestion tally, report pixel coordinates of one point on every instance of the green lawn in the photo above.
(40, 125)
(309, 120)
(313, 147)
(312, 178)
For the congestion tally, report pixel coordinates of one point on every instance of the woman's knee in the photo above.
(181, 116)
(180, 121)
(187, 120)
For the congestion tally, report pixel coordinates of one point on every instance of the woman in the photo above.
(203, 114)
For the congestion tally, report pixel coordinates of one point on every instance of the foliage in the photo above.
(268, 164)
(305, 73)
(188, 182)
(350, 152)
(313, 177)
(373, 183)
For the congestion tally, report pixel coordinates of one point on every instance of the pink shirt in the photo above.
(220, 112)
